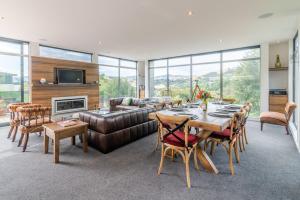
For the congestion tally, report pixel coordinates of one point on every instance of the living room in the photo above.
(149, 99)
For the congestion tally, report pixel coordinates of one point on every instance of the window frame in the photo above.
(70, 50)
(22, 57)
(119, 70)
(221, 62)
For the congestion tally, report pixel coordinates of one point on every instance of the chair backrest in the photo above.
(36, 113)
(237, 122)
(12, 108)
(173, 123)
(289, 109)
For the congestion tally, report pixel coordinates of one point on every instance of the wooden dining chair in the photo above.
(243, 138)
(281, 119)
(229, 137)
(175, 137)
(32, 120)
(14, 119)
(229, 100)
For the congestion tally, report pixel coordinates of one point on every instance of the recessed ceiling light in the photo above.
(2, 18)
(265, 15)
(99, 43)
(190, 13)
(220, 40)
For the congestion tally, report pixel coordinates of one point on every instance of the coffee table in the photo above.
(56, 132)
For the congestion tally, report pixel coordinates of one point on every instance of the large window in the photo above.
(53, 52)
(13, 74)
(226, 74)
(117, 78)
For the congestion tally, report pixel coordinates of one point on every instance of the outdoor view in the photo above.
(117, 78)
(13, 75)
(241, 76)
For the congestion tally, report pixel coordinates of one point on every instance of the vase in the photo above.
(277, 63)
(204, 105)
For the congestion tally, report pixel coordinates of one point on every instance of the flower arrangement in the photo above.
(204, 96)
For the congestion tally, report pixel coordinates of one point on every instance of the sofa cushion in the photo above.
(273, 118)
(135, 102)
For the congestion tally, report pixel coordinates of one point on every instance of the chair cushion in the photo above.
(172, 140)
(225, 133)
(273, 118)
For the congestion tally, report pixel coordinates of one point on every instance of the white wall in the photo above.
(264, 77)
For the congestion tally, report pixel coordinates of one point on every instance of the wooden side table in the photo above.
(57, 132)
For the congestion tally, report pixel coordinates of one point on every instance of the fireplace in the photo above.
(61, 105)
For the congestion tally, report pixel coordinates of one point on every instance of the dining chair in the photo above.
(281, 119)
(229, 137)
(243, 139)
(14, 119)
(229, 100)
(32, 120)
(175, 137)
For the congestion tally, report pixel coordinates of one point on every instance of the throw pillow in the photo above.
(127, 101)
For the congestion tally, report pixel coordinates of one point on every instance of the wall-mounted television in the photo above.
(70, 76)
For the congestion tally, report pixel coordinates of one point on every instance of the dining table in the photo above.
(206, 122)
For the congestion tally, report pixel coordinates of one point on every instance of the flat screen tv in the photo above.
(70, 76)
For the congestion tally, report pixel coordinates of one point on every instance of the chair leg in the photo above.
(10, 131)
(287, 130)
(161, 159)
(158, 140)
(242, 138)
(230, 160)
(25, 142)
(21, 139)
(212, 148)
(240, 143)
(245, 135)
(196, 159)
(261, 126)
(187, 169)
(14, 134)
(236, 152)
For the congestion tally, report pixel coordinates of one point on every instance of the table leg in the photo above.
(56, 150)
(206, 161)
(46, 143)
(85, 140)
(73, 139)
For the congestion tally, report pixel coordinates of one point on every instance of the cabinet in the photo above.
(277, 103)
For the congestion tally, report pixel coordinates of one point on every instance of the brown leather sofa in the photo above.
(115, 104)
(111, 131)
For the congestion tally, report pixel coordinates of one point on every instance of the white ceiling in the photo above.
(147, 29)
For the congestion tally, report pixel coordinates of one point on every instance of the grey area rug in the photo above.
(269, 169)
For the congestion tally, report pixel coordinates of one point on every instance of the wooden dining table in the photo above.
(207, 124)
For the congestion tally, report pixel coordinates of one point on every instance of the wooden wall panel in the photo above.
(42, 67)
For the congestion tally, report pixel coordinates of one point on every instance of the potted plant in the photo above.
(204, 95)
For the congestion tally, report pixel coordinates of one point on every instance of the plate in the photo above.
(220, 114)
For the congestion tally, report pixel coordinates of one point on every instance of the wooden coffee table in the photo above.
(57, 132)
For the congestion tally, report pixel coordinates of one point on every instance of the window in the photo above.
(229, 73)
(13, 75)
(117, 78)
(53, 52)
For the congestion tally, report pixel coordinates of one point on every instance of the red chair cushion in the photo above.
(172, 140)
(225, 133)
